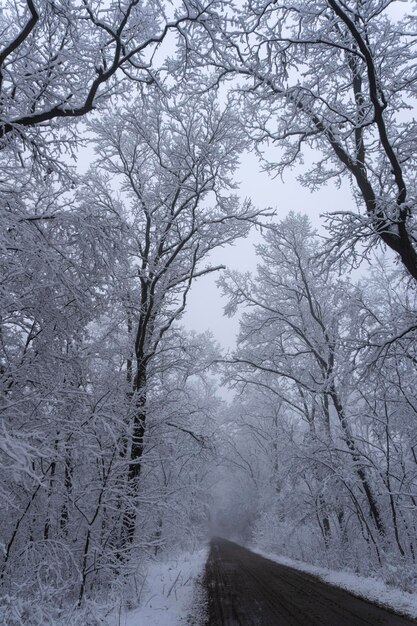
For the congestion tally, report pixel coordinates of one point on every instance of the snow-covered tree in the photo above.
(173, 162)
(60, 60)
(306, 360)
(333, 80)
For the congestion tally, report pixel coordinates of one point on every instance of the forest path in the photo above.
(245, 589)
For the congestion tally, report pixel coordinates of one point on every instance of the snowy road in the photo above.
(245, 589)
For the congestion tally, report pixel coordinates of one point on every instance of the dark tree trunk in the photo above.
(135, 454)
(359, 468)
(68, 474)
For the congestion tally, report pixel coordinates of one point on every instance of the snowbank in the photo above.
(368, 588)
(173, 595)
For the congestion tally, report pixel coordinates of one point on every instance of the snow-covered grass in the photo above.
(172, 593)
(168, 592)
(366, 587)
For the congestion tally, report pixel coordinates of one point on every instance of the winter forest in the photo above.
(126, 437)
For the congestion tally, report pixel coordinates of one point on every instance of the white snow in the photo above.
(365, 587)
(173, 595)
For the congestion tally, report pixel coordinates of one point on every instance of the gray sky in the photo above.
(205, 304)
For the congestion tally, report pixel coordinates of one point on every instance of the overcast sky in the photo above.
(205, 304)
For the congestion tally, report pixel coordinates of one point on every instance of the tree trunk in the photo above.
(135, 454)
(360, 470)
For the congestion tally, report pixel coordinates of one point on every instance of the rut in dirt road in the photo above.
(245, 589)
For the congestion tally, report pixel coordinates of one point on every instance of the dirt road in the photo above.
(245, 589)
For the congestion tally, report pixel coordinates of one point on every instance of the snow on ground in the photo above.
(368, 588)
(173, 594)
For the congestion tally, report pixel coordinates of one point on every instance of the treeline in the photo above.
(107, 405)
(326, 424)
